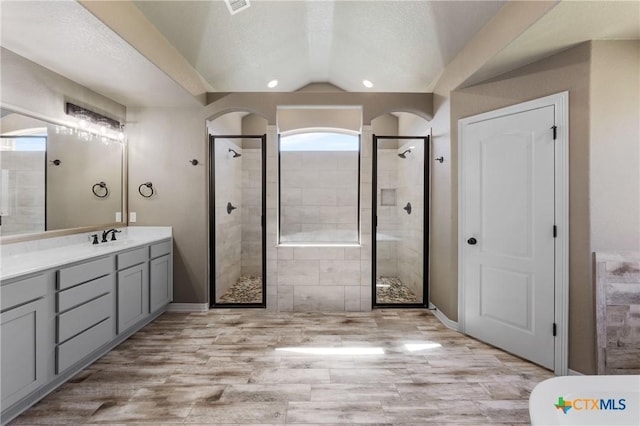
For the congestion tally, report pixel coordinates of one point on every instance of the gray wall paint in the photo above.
(70, 200)
(161, 143)
(615, 146)
(290, 119)
(30, 88)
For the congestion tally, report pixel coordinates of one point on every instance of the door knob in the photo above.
(472, 241)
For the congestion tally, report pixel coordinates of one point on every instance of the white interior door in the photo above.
(507, 232)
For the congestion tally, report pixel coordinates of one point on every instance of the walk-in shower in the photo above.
(400, 228)
(237, 210)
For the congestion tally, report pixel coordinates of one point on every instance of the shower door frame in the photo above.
(212, 221)
(425, 225)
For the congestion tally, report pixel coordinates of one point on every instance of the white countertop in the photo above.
(33, 256)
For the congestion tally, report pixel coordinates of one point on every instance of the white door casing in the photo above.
(512, 191)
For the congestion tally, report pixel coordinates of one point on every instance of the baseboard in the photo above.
(188, 307)
(453, 325)
(574, 373)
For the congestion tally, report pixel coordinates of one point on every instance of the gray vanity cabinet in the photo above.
(24, 337)
(160, 272)
(56, 322)
(133, 288)
(85, 310)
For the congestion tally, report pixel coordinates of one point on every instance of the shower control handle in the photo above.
(230, 208)
(472, 241)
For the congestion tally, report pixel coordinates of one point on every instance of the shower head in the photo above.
(404, 154)
(235, 154)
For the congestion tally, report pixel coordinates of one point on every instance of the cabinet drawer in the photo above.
(132, 257)
(78, 295)
(83, 344)
(22, 291)
(68, 277)
(160, 249)
(84, 316)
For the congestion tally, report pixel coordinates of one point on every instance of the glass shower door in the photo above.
(400, 228)
(237, 209)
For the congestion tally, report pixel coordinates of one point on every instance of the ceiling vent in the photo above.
(236, 6)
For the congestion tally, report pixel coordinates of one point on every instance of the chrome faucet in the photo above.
(106, 233)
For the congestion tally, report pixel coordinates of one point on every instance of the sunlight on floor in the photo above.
(334, 351)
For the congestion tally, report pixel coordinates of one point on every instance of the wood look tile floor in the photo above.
(257, 367)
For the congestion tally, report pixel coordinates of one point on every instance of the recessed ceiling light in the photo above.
(367, 84)
(272, 84)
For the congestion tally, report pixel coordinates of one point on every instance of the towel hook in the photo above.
(440, 159)
(194, 162)
(148, 185)
(95, 189)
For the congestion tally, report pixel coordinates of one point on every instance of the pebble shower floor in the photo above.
(248, 289)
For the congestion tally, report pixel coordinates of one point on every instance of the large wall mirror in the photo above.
(53, 177)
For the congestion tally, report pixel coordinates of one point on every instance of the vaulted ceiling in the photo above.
(169, 53)
(400, 46)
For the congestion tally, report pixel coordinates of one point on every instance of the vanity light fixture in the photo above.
(272, 84)
(368, 84)
(90, 124)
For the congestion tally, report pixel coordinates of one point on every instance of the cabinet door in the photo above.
(160, 282)
(23, 350)
(133, 296)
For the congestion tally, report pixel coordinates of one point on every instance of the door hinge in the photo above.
(555, 231)
(555, 329)
(555, 132)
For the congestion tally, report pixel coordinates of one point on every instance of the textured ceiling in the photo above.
(66, 38)
(401, 46)
(567, 24)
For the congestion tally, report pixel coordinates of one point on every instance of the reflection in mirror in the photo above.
(53, 177)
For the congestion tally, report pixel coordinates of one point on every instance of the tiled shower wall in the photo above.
(329, 278)
(319, 196)
(251, 212)
(411, 190)
(387, 203)
(22, 191)
(228, 175)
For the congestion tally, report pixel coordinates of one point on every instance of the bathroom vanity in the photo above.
(66, 302)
